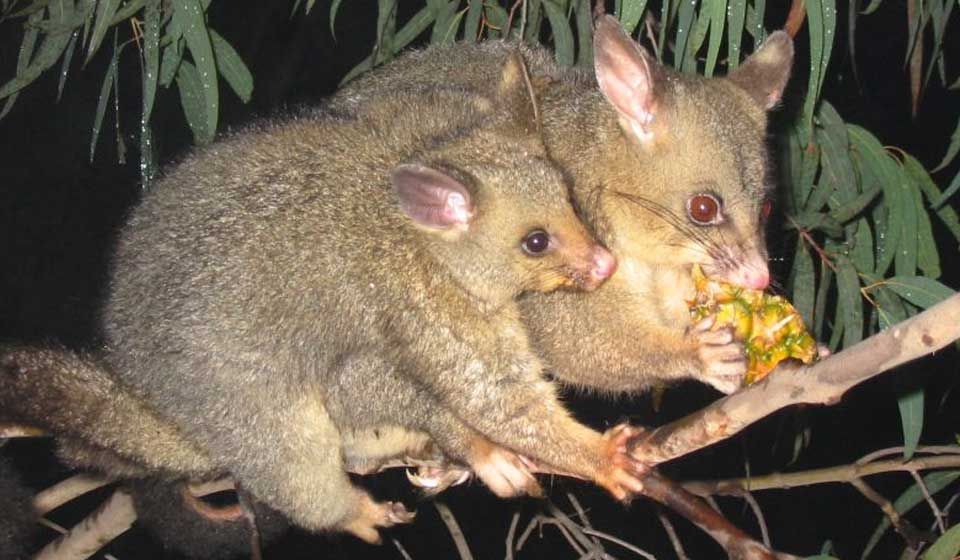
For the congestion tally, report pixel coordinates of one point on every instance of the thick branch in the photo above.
(821, 383)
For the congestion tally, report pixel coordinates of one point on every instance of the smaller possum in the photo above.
(336, 289)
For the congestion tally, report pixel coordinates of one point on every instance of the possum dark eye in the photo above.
(536, 242)
(703, 209)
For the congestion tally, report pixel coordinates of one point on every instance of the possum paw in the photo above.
(434, 480)
(620, 473)
(723, 360)
(372, 515)
(503, 471)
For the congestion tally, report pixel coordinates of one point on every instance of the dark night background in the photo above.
(59, 214)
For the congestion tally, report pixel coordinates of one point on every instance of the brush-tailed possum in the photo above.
(668, 170)
(343, 285)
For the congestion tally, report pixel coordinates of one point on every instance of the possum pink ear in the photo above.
(430, 198)
(627, 76)
(765, 73)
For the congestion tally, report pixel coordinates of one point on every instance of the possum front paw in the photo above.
(620, 473)
(723, 360)
(372, 515)
(433, 480)
(506, 473)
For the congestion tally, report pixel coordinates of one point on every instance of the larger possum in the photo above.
(345, 283)
(668, 169)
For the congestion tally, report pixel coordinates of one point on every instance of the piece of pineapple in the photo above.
(769, 327)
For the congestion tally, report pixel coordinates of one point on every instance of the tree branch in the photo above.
(822, 383)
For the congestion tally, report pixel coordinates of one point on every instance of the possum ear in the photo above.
(431, 198)
(628, 77)
(765, 73)
(517, 93)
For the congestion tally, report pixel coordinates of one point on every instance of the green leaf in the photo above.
(874, 161)
(821, 23)
(104, 15)
(831, 135)
(27, 46)
(874, 4)
(534, 18)
(685, 13)
(947, 546)
(812, 198)
(932, 193)
(472, 26)
(630, 13)
(951, 190)
(151, 57)
(231, 67)
(584, 34)
(445, 23)
(190, 20)
(803, 282)
(952, 149)
(928, 259)
(823, 292)
(818, 221)
(919, 290)
(414, 27)
(334, 10)
(718, 17)
(934, 482)
(65, 65)
(106, 88)
(890, 308)
(128, 10)
(911, 418)
(562, 34)
(905, 261)
(497, 19)
(755, 15)
(736, 19)
(170, 61)
(850, 303)
(861, 250)
(30, 63)
(854, 206)
(193, 102)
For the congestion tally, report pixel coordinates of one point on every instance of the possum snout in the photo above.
(592, 268)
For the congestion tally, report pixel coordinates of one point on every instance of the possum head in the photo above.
(496, 207)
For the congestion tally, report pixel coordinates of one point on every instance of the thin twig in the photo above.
(582, 514)
(620, 542)
(904, 527)
(840, 473)
(758, 513)
(66, 490)
(110, 520)
(937, 514)
(403, 551)
(514, 521)
(455, 532)
(671, 534)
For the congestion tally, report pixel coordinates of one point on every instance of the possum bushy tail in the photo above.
(98, 424)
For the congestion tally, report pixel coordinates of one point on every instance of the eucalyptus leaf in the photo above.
(472, 26)
(952, 149)
(849, 299)
(718, 17)
(947, 546)
(919, 290)
(803, 282)
(905, 261)
(190, 19)
(231, 67)
(562, 34)
(106, 88)
(193, 103)
(584, 34)
(911, 419)
(736, 20)
(334, 10)
(631, 11)
(104, 15)
(685, 15)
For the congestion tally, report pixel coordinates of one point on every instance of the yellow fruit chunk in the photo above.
(769, 326)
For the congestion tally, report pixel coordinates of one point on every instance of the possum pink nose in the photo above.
(756, 278)
(604, 264)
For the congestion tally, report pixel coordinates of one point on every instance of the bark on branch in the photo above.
(822, 383)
